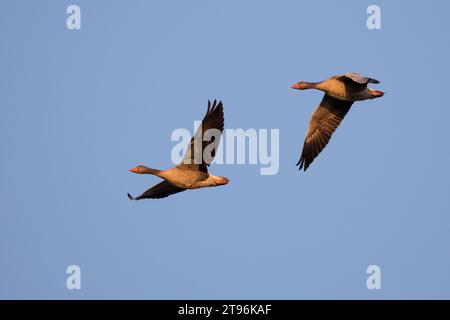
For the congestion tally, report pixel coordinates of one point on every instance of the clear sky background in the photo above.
(79, 108)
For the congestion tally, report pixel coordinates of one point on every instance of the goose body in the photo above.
(347, 87)
(192, 172)
(340, 93)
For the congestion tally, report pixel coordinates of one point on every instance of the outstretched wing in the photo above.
(207, 136)
(161, 190)
(356, 77)
(324, 121)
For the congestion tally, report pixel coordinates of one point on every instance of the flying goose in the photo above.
(192, 172)
(340, 93)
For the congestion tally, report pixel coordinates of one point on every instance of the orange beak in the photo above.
(135, 170)
(295, 86)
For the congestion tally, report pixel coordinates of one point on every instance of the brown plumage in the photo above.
(340, 93)
(161, 190)
(192, 172)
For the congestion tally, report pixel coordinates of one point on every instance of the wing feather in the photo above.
(356, 77)
(208, 133)
(324, 121)
(161, 190)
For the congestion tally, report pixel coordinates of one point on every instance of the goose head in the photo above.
(141, 170)
(299, 85)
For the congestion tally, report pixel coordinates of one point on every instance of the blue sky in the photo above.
(81, 107)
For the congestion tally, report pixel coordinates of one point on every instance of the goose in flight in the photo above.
(192, 172)
(340, 93)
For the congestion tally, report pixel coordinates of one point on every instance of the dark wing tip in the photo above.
(130, 197)
(304, 161)
(302, 164)
(306, 166)
(213, 107)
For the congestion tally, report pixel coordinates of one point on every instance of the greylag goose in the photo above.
(340, 93)
(192, 172)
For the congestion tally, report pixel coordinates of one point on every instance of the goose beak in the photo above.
(135, 170)
(295, 86)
